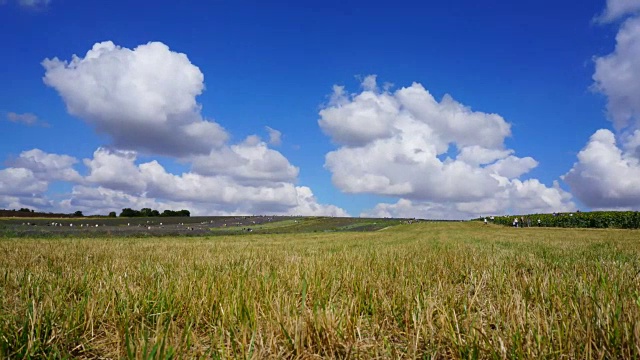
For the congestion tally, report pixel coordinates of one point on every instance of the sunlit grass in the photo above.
(459, 290)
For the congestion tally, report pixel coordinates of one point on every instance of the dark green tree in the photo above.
(146, 212)
(168, 213)
(128, 212)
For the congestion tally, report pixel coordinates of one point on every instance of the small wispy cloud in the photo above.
(34, 4)
(275, 136)
(618, 9)
(28, 4)
(28, 119)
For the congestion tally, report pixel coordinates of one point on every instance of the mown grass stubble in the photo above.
(441, 290)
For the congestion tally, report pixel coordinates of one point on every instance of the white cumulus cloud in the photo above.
(434, 155)
(26, 181)
(605, 176)
(617, 76)
(249, 161)
(259, 181)
(369, 116)
(20, 182)
(520, 197)
(117, 173)
(20, 188)
(47, 167)
(101, 200)
(114, 169)
(307, 204)
(143, 98)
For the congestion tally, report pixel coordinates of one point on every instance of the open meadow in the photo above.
(427, 290)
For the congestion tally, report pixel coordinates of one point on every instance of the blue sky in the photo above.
(542, 114)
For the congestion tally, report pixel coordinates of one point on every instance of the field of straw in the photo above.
(428, 290)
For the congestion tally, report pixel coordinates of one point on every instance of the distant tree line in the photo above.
(594, 219)
(148, 212)
(126, 212)
(30, 213)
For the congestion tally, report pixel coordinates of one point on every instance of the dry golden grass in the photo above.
(432, 290)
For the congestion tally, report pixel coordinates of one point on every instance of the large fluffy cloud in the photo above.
(250, 161)
(118, 174)
(20, 188)
(617, 76)
(432, 154)
(606, 176)
(26, 181)
(521, 197)
(607, 172)
(115, 180)
(47, 167)
(118, 171)
(143, 98)
(101, 200)
(20, 182)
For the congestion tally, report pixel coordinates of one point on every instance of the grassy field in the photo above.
(185, 226)
(428, 290)
(311, 224)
